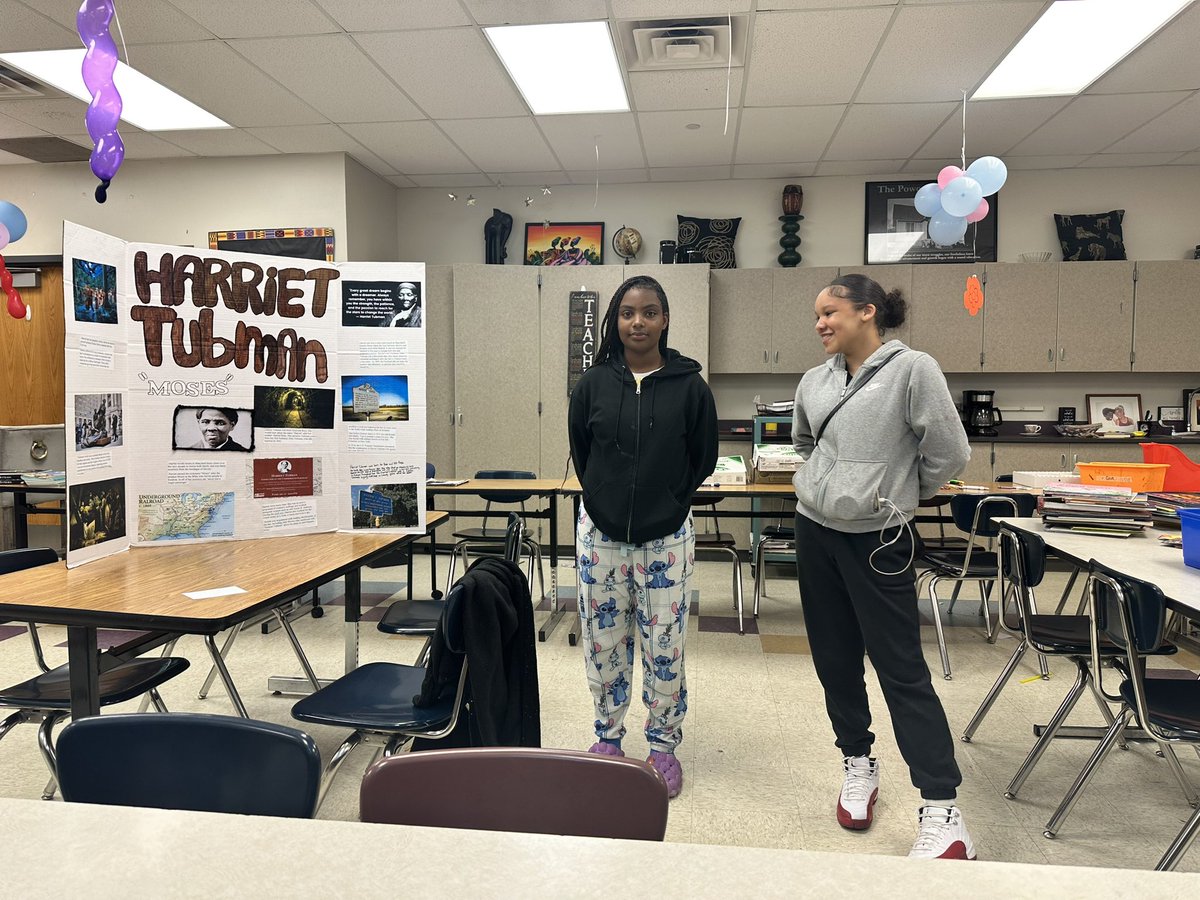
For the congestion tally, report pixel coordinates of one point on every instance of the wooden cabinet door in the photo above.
(1020, 316)
(1164, 316)
(739, 311)
(941, 325)
(496, 362)
(1095, 316)
(795, 347)
(1031, 457)
(889, 277)
(31, 355)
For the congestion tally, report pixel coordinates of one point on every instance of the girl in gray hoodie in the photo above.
(879, 432)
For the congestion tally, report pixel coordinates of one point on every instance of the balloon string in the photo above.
(596, 196)
(121, 32)
(728, 64)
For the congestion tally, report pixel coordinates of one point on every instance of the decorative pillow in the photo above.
(1088, 237)
(712, 237)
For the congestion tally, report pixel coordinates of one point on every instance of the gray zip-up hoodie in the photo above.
(898, 437)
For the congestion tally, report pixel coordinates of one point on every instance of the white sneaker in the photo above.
(856, 803)
(941, 834)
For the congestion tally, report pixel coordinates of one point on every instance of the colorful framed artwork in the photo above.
(1115, 413)
(564, 243)
(301, 243)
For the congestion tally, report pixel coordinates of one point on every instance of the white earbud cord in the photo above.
(893, 512)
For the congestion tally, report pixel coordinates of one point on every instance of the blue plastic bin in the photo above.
(1190, 520)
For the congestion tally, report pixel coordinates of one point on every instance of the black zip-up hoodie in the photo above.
(640, 455)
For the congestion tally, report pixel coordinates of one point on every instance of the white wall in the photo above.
(370, 215)
(178, 201)
(1162, 219)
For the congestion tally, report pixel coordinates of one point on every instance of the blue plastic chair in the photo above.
(46, 698)
(190, 761)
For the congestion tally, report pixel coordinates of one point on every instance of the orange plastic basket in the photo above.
(1136, 476)
(1184, 475)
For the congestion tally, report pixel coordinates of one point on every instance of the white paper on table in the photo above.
(213, 592)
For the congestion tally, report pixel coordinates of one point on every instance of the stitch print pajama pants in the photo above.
(635, 595)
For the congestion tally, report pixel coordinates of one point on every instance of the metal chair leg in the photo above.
(937, 624)
(299, 651)
(1189, 792)
(1001, 682)
(760, 585)
(226, 679)
(953, 598)
(1086, 773)
(46, 746)
(1102, 704)
(335, 762)
(1180, 845)
(1066, 594)
(225, 648)
(1060, 715)
(737, 588)
(168, 648)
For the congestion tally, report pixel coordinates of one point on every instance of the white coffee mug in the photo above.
(1033, 429)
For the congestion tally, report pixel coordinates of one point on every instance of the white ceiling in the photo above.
(412, 89)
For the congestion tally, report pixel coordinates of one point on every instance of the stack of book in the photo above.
(43, 478)
(1100, 509)
(1166, 505)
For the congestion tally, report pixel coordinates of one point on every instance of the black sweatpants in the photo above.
(849, 609)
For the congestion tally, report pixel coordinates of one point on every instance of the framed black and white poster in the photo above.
(896, 233)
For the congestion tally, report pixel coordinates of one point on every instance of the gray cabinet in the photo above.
(1165, 315)
(1105, 450)
(1095, 316)
(1020, 313)
(979, 467)
(1030, 457)
(940, 325)
(740, 302)
(438, 315)
(796, 347)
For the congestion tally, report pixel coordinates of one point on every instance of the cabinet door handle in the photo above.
(764, 356)
(1063, 460)
(777, 357)
(1062, 353)
(1074, 460)
(1050, 355)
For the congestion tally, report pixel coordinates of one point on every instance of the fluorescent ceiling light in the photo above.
(562, 68)
(145, 103)
(1073, 44)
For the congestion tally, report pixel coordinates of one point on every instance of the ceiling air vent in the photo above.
(676, 44)
(16, 85)
(46, 149)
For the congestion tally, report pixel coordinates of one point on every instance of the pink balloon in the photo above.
(947, 175)
(981, 211)
(3, 235)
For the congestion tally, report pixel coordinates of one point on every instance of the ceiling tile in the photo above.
(1188, 159)
(993, 126)
(690, 173)
(610, 176)
(935, 53)
(776, 170)
(1090, 123)
(1043, 162)
(669, 142)
(450, 74)
(218, 142)
(531, 181)
(823, 4)
(1106, 160)
(880, 167)
(1166, 62)
(411, 148)
(15, 128)
(393, 15)
(140, 146)
(142, 21)
(258, 18)
(400, 181)
(470, 179)
(353, 90)
(213, 76)
(501, 144)
(684, 89)
(663, 9)
(786, 133)
(55, 116)
(24, 29)
(790, 61)
(888, 131)
(574, 138)
(319, 139)
(927, 168)
(532, 12)
(1177, 129)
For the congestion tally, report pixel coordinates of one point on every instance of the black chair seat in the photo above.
(52, 690)
(377, 696)
(778, 533)
(412, 616)
(715, 539)
(1173, 703)
(495, 535)
(984, 563)
(1069, 636)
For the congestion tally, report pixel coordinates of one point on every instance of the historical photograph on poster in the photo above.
(97, 421)
(96, 512)
(213, 428)
(287, 406)
(384, 505)
(374, 398)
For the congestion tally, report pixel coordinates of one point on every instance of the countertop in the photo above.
(1009, 433)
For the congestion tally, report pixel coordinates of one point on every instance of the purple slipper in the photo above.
(605, 748)
(670, 769)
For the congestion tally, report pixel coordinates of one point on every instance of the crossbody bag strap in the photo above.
(844, 399)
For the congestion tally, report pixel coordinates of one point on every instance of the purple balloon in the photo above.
(104, 112)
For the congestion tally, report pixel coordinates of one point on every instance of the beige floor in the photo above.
(759, 760)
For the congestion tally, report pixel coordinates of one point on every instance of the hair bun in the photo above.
(894, 309)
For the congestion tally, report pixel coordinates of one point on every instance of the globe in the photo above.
(627, 242)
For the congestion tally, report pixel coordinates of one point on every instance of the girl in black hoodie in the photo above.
(643, 431)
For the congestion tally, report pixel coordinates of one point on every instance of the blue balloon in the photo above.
(990, 172)
(928, 199)
(946, 230)
(961, 196)
(14, 220)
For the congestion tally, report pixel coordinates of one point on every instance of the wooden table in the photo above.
(143, 589)
(54, 850)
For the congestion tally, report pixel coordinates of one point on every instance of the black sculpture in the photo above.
(495, 235)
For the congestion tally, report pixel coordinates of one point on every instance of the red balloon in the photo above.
(947, 175)
(16, 306)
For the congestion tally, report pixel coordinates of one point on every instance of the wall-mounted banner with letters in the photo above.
(583, 334)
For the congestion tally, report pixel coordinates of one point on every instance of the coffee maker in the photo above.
(980, 415)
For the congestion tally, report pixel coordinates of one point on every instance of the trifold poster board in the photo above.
(218, 395)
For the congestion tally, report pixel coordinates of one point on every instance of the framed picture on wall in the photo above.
(1191, 405)
(1115, 413)
(564, 243)
(896, 233)
(301, 243)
